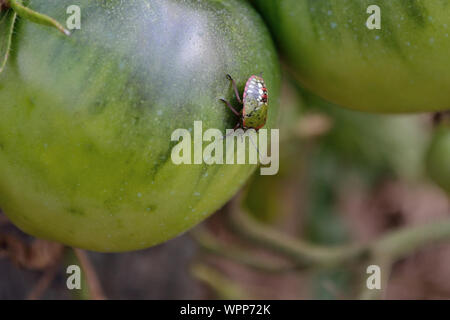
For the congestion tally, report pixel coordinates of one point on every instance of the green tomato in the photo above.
(402, 67)
(86, 120)
(438, 160)
(376, 144)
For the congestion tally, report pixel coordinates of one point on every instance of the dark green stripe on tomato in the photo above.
(86, 120)
(403, 67)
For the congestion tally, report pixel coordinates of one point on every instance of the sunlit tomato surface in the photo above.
(402, 67)
(86, 120)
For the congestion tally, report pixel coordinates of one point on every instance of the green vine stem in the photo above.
(385, 263)
(71, 258)
(303, 254)
(394, 245)
(33, 16)
(399, 244)
(212, 246)
(7, 21)
(9, 10)
(90, 286)
(218, 282)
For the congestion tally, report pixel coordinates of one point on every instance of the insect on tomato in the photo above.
(255, 103)
(94, 199)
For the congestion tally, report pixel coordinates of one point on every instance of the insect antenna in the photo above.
(256, 147)
(249, 137)
(227, 135)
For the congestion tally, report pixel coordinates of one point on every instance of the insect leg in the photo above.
(230, 106)
(238, 125)
(236, 92)
(256, 147)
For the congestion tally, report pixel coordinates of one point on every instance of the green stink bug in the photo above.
(255, 103)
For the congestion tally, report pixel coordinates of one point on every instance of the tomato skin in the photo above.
(85, 131)
(438, 159)
(403, 67)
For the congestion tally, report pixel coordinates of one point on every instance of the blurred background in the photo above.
(346, 179)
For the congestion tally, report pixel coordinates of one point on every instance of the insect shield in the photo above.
(255, 103)
(236, 144)
(252, 118)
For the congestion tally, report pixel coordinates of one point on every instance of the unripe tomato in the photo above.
(401, 67)
(86, 120)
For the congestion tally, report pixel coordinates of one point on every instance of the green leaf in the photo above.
(7, 20)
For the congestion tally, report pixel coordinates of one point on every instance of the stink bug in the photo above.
(255, 103)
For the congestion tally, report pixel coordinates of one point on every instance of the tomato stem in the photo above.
(393, 246)
(33, 16)
(213, 246)
(9, 22)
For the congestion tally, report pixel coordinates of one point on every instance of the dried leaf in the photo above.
(38, 255)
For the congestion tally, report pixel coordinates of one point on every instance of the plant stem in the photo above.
(222, 286)
(82, 293)
(208, 243)
(36, 17)
(399, 244)
(385, 263)
(394, 245)
(95, 289)
(304, 255)
(90, 285)
(9, 22)
(45, 281)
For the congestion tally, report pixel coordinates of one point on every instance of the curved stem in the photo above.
(304, 255)
(44, 282)
(83, 293)
(399, 244)
(394, 245)
(94, 286)
(385, 263)
(8, 21)
(222, 286)
(35, 17)
(208, 243)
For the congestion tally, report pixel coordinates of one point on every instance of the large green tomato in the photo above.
(438, 160)
(402, 67)
(86, 120)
